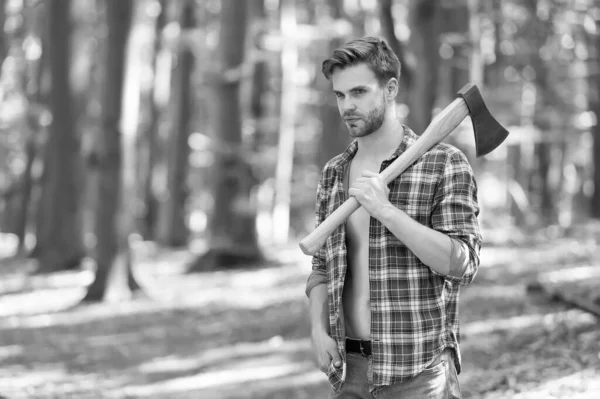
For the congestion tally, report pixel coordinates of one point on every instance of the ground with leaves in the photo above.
(244, 333)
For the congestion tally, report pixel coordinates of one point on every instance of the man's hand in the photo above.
(371, 192)
(326, 351)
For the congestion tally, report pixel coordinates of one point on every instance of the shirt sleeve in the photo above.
(318, 275)
(455, 214)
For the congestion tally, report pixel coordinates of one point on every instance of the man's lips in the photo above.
(352, 119)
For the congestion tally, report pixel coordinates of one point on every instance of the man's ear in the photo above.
(391, 89)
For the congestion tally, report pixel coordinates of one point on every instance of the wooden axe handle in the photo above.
(441, 126)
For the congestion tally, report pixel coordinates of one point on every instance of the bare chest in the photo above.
(357, 224)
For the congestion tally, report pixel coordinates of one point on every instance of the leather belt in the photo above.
(358, 346)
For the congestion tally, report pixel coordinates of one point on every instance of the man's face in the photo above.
(360, 99)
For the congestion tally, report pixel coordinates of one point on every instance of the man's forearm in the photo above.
(433, 248)
(319, 309)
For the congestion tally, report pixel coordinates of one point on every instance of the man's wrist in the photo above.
(318, 330)
(386, 213)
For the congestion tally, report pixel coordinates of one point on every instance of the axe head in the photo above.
(489, 134)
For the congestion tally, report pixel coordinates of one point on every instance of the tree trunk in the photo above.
(424, 44)
(111, 240)
(4, 46)
(172, 227)
(285, 154)
(476, 64)
(233, 238)
(540, 29)
(147, 223)
(260, 76)
(493, 73)
(32, 86)
(595, 107)
(334, 136)
(25, 194)
(260, 110)
(389, 32)
(59, 239)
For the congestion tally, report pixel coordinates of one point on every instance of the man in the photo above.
(384, 288)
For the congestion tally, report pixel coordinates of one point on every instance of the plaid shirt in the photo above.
(414, 310)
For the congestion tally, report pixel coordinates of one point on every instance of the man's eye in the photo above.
(358, 92)
(339, 95)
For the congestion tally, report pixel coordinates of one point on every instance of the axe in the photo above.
(489, 134)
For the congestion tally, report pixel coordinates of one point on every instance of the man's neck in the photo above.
(382, 143)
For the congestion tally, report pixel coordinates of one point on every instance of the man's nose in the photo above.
(348, 105)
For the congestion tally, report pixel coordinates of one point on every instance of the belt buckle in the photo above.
(361, 349)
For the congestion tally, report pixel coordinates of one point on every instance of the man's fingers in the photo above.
(335, 358)
(324, 362)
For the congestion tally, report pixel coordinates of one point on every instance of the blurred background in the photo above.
(158, 166)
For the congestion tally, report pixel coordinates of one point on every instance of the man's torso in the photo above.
(356, 296)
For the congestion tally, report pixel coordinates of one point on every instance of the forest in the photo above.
(158, 167)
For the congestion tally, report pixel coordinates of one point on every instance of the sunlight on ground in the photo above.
(40, 301)
(53, 373)
(245, 349)
(253, 289)
(82, 314)
(271, 287)
(575, 274)
(573, 317)
(513, 258)
(56, 383)
(587, 381)
(220, 378)
(10, 351)
(584, 384)
(196, 339)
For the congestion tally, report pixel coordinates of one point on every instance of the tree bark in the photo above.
(233, 239)
(493, 73)
(34, 92)
(287, 119)
(172, 228)
(476, 63)
(334, 136)
(3, 41)
(110, 236)
(389, 32)
(540, 30)
(424, 44)
(149, 155)
(595, 107)
(59, 239)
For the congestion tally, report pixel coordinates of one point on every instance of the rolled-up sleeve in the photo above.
(455, 214)
(318, 275)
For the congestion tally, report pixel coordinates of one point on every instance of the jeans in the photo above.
(438, 381)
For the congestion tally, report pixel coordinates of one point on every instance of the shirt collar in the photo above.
(407, 140)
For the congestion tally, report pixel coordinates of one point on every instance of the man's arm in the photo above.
(319, 310)
(316, 289)
(451, 247)
(433, 248)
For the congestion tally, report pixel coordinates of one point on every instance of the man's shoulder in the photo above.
(445, 152)
(445, 158)
(334, 163)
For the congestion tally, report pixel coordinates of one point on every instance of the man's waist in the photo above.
(359, 346)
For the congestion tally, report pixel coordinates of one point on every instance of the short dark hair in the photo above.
(373, 51)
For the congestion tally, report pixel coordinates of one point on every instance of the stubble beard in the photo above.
(372, 122)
